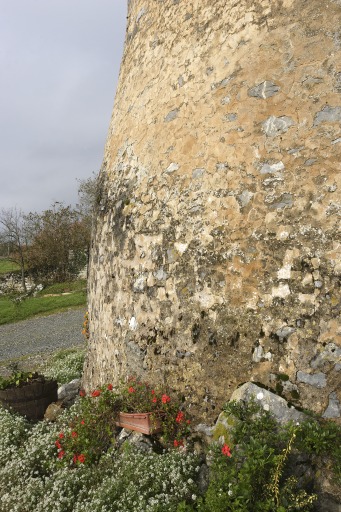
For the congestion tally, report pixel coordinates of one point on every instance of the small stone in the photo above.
(181, 248)
(70, 390)
(274, 126)
(202, 428)
(271, 168)
(264, 90)
(230, 117)
(257, 355)
(141, 13)
(245, 197)
(161, 275)
(285, 332)
(221, 166)
(140, 284)
(330, 353)
(226, 100)
(333, 410)
(284, 272)
(285, 200)
(295, 151)
(282, 291)
(198, 173)
(53, 411)
(310, 162)
(317, 380)
(171, 115)
(172, 167)
(328, 115)
(133, 323)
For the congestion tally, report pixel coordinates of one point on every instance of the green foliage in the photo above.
(322, 438)
(17, 379)
(91, 432)
(65, 365)
(59, 240)
(252, 476)
(137, 396)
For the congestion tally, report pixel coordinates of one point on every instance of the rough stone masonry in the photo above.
(216, 251)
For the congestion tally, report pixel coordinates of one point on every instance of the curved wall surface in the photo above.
(216, 253)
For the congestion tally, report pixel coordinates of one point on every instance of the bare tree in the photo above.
(12, 233)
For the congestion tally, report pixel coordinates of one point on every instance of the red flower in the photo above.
(153, 392)
(226, 450)
(74, 434)
(177, 443)
(82, 393)
(154, 400)
(74, 459)
(165, 399)
(131, 389)
(180, 417)
(81, 458)
(61, 435)
(95, 393)
(57, 443)
(110, 387)
(61, 454)
(82, 422)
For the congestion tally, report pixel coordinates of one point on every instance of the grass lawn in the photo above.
(8, 266)
(42, 305)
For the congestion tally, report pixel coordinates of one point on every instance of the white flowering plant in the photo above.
(65, 365)
(32, 480)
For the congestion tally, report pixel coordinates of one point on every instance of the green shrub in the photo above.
(90, 432)
(251, 477)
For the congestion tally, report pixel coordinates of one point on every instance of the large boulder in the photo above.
(278, 406)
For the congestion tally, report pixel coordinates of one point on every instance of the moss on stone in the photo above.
(223, 428)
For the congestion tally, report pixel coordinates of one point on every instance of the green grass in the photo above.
(67, 287)
(7, 266)
(11, 312)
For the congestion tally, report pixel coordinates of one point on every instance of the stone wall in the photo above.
(216, 253)
(12, 283)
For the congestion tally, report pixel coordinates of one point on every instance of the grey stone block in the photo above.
(317, 380)
(275, 404)
(264, 90)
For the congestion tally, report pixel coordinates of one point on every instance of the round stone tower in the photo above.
(216, 250)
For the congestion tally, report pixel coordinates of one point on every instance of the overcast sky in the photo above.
(59, 64)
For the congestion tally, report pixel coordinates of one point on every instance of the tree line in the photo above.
(52, 244)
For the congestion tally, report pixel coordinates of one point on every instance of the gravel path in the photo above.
(42, 334)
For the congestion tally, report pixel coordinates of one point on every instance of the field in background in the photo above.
(8, 266)
(53, 299)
